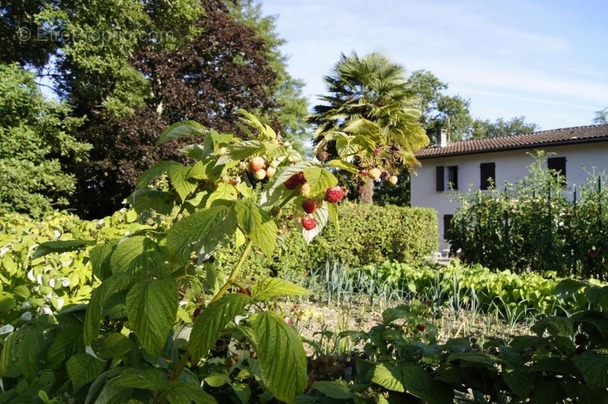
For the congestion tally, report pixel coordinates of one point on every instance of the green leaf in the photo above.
(83, 369)
(60, 246)
(555, 326)
(139, 378)
(67, 342)
(321, 216)
(202, 231)
(153, 172)
(343, 165)
(241, 151)
(181, 129)
(223, 192)
(274, 287)
(478, 358)
(519, 381)
(30, 350)
(8, 353)
(100, 295)
(181, 181)
(144, 200)
(334, 389)
(114, 345)
(420, 384)
(179, 393)
(100, 260)
(258, 225)
(151, 309)
(281, 354)
(594, 367)
(138, 254)
(210, 323)
(217, 379)
(332, 209)
(389, 377)
(319, 179)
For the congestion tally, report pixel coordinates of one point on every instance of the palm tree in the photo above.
(369, 119)
(601, 117)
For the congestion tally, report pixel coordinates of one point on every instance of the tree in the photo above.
(369, 118)
(114, 62)
(439, 111)
(516, 126)
(38, 142)
(601, 117)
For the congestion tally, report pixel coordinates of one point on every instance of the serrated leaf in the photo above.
(181, 181)
(334, 389)
(217, 379)
(201, 232)
(419, 383)
(139, 378)
(555, 326)
(83, 369)
(343, 165)
(270, 288)
(223, 192)
(287, 172)
(319, 179)
(519, 381)
(182, 129)
(114, 345)
(389, 377)
(153, 172)
(257, 224)
(100, 295)
(8, 353)
(30, 351)
(60, 246)
(332, 210)
(594, 367)
(67, 342)
(241, 151)
(568, 287)
(100, 260)
(151, 309)
(281, 355)
(138, 254)
(179, 393)
(478, 358)
(214, 318)
(144, 200)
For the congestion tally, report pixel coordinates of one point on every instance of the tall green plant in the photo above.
(161, 323)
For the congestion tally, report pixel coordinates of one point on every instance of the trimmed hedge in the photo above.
(367, 235)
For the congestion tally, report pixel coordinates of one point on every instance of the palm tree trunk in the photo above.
(367, 193)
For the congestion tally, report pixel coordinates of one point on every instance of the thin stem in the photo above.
(234, 273)
(184, 359)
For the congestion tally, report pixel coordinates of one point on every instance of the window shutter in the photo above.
(557, 164)
(440, 178)
(447, 225)
(487, 175)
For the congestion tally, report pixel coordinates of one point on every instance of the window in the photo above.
(447, 225)
(557, 165)
(487, 178)
(447, 178)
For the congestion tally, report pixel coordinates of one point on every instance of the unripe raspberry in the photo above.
(260, 174)
(305, 190)
(270, 171)
(393, 179)
(374, 173)
(257, 163)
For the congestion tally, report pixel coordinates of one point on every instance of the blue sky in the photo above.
(544, 59)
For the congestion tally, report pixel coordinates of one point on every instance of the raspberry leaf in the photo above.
(343, 165)
(270, 288)
(321, 216)
(319, 179)
(257, 224)
(180, 130)
(281, 354)
(213, 319)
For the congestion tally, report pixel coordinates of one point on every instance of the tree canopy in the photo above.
(131, 68)
(38, 145)
(369, 117)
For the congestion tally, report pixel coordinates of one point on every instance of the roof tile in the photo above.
(555, 137)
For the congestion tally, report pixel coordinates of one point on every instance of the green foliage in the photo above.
(367, 235)
(38, 147)
(158, 318)
(565, 360)
(535, 225)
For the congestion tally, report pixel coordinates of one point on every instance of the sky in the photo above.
(546, 60)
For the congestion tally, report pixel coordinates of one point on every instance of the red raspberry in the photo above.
(334, 194)
(301, 178)
(309, 223)
(309, 206)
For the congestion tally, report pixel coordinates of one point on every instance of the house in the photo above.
(475, 164)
